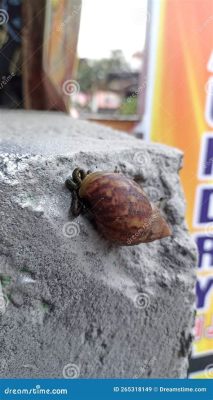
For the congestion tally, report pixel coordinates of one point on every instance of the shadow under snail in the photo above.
(119, 206)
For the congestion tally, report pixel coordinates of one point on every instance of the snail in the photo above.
(119, 206)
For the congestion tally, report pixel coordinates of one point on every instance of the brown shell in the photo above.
(121, 209)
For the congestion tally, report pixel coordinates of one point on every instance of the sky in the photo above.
(112, 24)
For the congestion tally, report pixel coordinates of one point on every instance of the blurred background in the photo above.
(144, 67)
(81, 45)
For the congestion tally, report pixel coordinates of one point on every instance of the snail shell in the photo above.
(121, 209)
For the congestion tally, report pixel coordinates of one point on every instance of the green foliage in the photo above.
(92, 74)
(129, 106)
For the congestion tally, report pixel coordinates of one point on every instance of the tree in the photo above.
(92, 74)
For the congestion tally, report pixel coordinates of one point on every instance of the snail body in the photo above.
(120, 207)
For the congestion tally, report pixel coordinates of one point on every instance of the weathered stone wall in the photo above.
(71, 303)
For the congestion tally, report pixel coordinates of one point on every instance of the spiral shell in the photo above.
(121, 209)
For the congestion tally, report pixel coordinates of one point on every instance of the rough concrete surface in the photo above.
(71, 303)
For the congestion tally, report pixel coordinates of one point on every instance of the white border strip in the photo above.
(145, 124)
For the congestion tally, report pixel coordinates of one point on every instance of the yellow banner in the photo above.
(180, 114)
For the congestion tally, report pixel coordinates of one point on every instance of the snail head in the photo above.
(73, 184)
